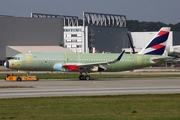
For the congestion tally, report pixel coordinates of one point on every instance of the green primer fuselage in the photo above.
(47, 61)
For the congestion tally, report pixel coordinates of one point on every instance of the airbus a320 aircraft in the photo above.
(152, 54)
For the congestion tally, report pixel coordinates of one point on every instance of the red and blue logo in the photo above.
(158, 43)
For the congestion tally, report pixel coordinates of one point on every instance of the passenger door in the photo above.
(28, 58)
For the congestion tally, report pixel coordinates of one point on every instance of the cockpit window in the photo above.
(15, 58)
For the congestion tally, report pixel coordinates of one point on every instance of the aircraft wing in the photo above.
(103, 63)
(75, 67)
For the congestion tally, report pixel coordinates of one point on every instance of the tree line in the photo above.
(136, 26)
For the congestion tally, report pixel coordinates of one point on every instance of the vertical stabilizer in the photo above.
(158, 44)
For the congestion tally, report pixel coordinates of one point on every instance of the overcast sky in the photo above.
(167, 11)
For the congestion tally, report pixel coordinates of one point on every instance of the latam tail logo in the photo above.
(158, 44)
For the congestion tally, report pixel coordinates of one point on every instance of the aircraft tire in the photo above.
(87, 77)
(18, 78)
(81, 77)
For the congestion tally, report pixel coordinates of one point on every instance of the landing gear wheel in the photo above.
(81, 77)
(87, 77)
(18, 78)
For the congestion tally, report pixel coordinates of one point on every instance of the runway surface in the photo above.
(95, 87)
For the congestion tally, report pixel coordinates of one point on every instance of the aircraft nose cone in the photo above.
(6, 64)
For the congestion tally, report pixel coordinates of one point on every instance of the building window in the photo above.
(73, 35)
(68, 35)
(79, 35)
(79, 40)
(68, 46)
(68, 41)
(73, 41)
(67, 30)
(79, 46)
(77, 30)
(73, 46)
(73, 30)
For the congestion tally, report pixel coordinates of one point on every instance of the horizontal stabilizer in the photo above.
(163, 59)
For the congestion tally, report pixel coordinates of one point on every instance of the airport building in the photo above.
(141, 39)
(27, 31)
(74, 38)
(95, 32)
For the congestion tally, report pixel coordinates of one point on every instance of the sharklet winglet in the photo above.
(118, 59)
(120, 56)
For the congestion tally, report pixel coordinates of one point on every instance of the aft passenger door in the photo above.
(139, 60)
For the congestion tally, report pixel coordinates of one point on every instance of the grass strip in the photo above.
(118, 107)
(16, 87)
(94, 76)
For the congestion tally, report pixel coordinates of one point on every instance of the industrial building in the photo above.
(141, 39)
(96, 31)
(22, 31)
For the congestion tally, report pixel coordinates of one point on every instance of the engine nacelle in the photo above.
(59, 67)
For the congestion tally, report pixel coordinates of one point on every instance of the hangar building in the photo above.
(22, 31)
(96, 31)
(141, 39)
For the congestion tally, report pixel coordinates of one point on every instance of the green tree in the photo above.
(136, 26)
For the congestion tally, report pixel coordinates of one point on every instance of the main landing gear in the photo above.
(86, 77)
